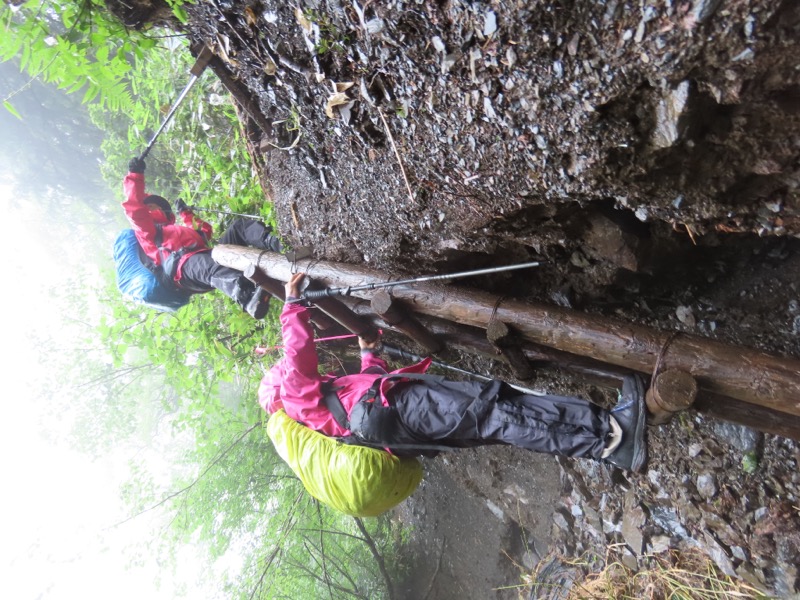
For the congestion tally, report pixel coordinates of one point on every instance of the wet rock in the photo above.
(718, 554)
(606, 240)
(669, 111)
(703, 9)
(659, 544)
(744, 439)
(633, 520)
(563, 520)
(707, 486)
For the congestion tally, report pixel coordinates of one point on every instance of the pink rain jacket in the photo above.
(294, 382)
(174, 237)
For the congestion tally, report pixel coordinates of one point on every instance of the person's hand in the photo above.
(292, 287)
(136, 165)
(373, 346)
(181, 206)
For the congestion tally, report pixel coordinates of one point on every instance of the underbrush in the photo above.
(669, 576)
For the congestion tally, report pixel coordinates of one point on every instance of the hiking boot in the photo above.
(259, 304)
(631, 414)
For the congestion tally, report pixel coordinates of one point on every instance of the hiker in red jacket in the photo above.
(183, 251)
(409, 412)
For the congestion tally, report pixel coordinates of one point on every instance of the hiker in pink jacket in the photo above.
(294, 383)
(409, 412)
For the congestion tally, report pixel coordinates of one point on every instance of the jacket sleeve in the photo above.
(298, 340)
(371, 359)
(138, 214)
(193, 221)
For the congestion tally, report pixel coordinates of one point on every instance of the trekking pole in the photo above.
(408, 356)
(345, 291)
(205, 55)
(224, 212)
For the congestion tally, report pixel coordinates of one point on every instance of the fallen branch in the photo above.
(397, 154)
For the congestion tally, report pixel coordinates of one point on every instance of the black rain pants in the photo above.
(471, 413)
(200, 273)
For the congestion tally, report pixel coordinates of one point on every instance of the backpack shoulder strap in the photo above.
(334, 405)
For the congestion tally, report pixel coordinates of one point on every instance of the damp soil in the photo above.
(646, 153)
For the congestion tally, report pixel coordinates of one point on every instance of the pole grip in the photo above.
(316, 294)
(326, 293)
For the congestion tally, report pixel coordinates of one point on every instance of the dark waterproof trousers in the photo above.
(200, 273)
(470, 413)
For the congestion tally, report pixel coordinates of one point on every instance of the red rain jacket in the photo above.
(174, 237)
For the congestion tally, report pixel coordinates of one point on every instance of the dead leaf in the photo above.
(250, 16)
(295, 218)
(343, 86)
(334, 100)
(224, 50)
(301, 20)
(270, 68)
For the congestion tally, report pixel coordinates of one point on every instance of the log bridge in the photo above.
(735, 384)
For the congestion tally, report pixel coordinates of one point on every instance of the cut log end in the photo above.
(671, 391)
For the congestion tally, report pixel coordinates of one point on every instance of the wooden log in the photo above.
(742, 373)
(354, 323)
(504, 340)
(241, 94)
(390, 311)
(275, 287)
(671, 392)
(747, 414)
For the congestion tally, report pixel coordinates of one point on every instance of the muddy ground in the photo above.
(646, 152)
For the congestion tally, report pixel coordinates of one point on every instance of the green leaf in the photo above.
(10, 108)
(181, 14)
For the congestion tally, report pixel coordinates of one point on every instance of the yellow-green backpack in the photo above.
(358, 481)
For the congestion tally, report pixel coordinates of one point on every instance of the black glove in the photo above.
(181, 206)
(136, 165)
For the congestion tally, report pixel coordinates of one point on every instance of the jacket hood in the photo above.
(165, 216)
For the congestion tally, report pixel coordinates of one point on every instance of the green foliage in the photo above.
(182, 386)
(72, 43)
(750, 463)
(330, 38)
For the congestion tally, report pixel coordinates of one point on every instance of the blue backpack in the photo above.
(140, 280)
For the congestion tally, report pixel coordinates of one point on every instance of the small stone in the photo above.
(562, 520)
(707, 486)
(668, 114)
(685, 316)
(659, 543)
(572, 46)
(632, 523)
(739, 553)
(489, 23)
